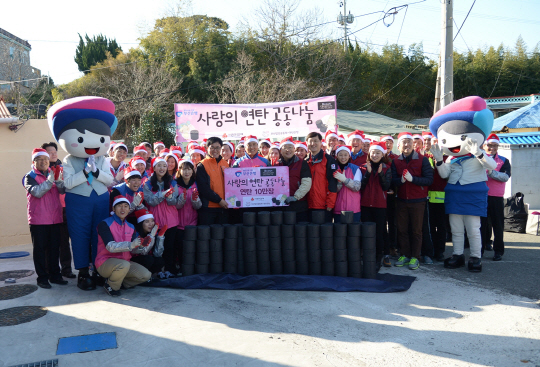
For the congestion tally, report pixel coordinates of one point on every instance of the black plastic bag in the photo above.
(515, 215)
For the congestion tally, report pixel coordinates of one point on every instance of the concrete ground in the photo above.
(447, 318)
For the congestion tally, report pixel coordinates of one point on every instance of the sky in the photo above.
(52, 29)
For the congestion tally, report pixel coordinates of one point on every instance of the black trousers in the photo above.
(437, 223)
(208, 216)
(179, 246)
(150, 262)
(46, 243)
(378, 216)
(169, 250)
(495, 219)
(391, 221)
(427, 243)
(65, 248)
(328, 215)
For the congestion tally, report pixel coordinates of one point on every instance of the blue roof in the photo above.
(520, 138)
(528, 116)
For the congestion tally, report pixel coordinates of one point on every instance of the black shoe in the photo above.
(439, 257)
(59, 281)
(86, 283)
(110, 291)
(454, 262)
(44, 284)
(98, 279)
(69, 275)
(488, 247)
(497, 257)
(475, 265)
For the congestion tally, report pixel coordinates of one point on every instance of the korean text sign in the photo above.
(270, 120)
(256, 186)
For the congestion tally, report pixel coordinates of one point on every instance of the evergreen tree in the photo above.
(94, 51)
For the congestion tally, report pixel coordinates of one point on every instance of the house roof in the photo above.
(14, 38)
(520, 138)
(369, 122)
(525, 117)
(4, 112)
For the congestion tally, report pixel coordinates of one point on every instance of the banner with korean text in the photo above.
(256, 186)
(266, 120)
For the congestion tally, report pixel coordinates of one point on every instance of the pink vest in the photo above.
(187, 215)
(164, 214)
(121, 232)
(496, 188)
(48, 208)
(346, 198)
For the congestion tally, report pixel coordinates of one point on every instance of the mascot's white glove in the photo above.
(50, 176)
(92, 163)
(137, 200)
(437, 152)
(473, 147)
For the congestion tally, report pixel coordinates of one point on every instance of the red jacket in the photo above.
(439, 183)
(422, 172)
(359, 159)
(375, 186)
(324, 186)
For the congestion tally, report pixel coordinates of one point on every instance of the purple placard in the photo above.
(278, 120)
(256, 186)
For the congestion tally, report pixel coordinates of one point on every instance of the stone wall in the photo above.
(15, 61)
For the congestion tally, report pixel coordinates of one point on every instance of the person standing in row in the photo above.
(356, 141)
(43, 189)
(211, 185)
(117, 165)
(349, 179)
(252, 158)
(411, 175)
(227, 152)
(331, 139)
(322, 195)
(391, 200)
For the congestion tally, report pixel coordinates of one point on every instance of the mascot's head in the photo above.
(465, 118)
(83, 125)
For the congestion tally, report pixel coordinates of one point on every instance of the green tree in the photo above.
(94, 51)
(156, 125)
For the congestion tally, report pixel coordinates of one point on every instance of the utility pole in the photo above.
(447, 62)
(437, 101)
(344, 19)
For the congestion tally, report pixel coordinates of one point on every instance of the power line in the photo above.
(504, 59)
(464, 20)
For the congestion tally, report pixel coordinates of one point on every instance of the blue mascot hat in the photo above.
(471, 109)
(70, 110)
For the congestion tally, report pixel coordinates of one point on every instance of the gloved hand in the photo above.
(274, 161)
(137, 200)
(168, 192)
(119, 176)
(154, 231)
(92, 162)
(135, 243)
(407, 176)
(162, 231)
(473, 147)
(57, 171)
(50, 176)
(339, 176)
(489, 171)
(146, 241)
(88, 168)
(437, 152)
(290, 199)
(195, 195)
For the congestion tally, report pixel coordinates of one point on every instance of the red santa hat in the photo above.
(230, 144)
(145, 143)
(427, 134)
(275, 145)
(143, 215)
(38, 151)
(120, 199)
(288, 140)
(404, 135)
(242, 141)
(493, 138)
(118, 145)
(111, 146)
(367, 140)
(158, 144)
(136, 160)
(300, 144)
(267, 141)
(176, 150)
(131, 172)
(356, 134)
(139, 148)
(164, 152)
(158, 160)
(343, 147)
(386, 137)
(186, 161)
(330, 134)
(197, 149)
(341, 138)
(192, 143)
(251, 139)
(418, 136)
(378, 145)
(171, 154)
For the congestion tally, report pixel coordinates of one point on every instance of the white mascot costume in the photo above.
(461, 129)
(83, 127)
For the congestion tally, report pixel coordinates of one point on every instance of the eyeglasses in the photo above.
(214, 147)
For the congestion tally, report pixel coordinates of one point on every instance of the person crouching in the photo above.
(149, 256)
(116, 239)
